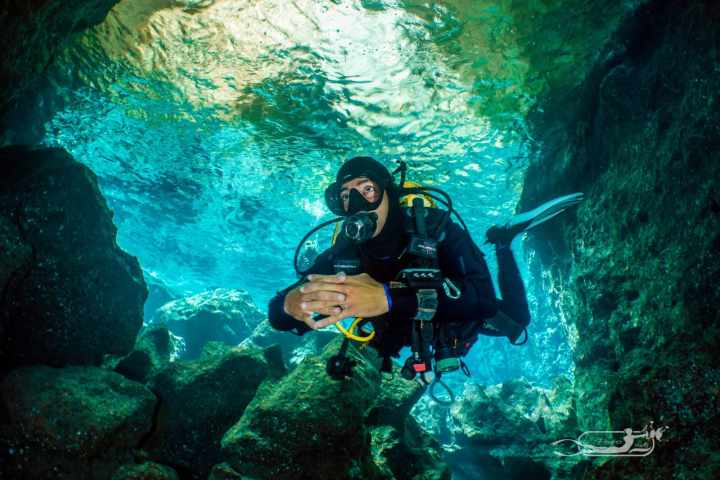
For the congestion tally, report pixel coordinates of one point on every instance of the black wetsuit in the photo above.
(459, 260)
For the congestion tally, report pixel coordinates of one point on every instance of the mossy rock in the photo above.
(201, 399)
(60, 422)
(308, 425)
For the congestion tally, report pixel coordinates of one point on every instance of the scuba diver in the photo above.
(400, 265)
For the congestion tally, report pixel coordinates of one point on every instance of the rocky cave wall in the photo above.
(636, 268)
(31, 33)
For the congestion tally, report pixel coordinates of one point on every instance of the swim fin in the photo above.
(522, 222)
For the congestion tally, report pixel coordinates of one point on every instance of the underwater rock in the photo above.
(154, 347)
(400, 448)
(145, 471)
(158, 295)
(201, 399)
(72, 422)
(636, 266)
(351, 422)
(308, 425)
(295, 348)
(397, 398)
(32, 33)
(70, 294)
(407, 453)
(223, 471)
(505, 431)
(223, 314)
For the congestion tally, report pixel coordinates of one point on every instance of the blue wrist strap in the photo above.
(388, 296)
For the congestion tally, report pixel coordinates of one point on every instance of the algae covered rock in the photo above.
(71, 422)
(201, 399)
(636, 268)
(145, 471)
(397, 397)
(507, 430)
(407, 452)
(295, 348)
(223, 314)
(71, 295)
(308, 425)
(154, 348)
(33, 33)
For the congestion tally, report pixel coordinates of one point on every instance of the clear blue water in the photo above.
(214, 131)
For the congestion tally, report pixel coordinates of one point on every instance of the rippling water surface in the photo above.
(214, 127)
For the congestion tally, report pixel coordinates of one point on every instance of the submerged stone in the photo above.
(223, 314)
(506, 430)
(145, 471)
(289, 423)
(201, 399)
(308, 425)
(154, 348)
(71, 295)
(72, 422)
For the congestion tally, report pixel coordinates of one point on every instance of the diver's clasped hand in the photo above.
(339, 296)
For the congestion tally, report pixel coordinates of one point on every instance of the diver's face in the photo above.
(371, 192)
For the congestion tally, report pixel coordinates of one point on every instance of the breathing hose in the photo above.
(434, 383)
(350, 332)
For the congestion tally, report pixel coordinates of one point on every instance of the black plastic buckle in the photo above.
(421, 277)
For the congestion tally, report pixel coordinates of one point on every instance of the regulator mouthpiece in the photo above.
(359, 228)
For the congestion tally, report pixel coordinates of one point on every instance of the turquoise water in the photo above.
(214, 129)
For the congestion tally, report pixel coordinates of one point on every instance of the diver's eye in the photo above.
(370, 192)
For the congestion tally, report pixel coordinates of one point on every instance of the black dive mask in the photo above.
(356, 202)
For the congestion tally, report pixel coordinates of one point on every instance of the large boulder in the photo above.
(506, 431)
(361, 426)
(201, 399)
(154, 348)
(145, 471)
(223, 315)
(295, 348)
(70, 294)
(72, 422)
(308, 425)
